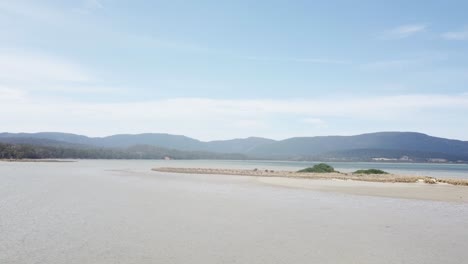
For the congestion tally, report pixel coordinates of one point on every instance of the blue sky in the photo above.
(228, 69)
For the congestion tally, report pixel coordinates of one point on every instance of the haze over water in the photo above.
(121, 212)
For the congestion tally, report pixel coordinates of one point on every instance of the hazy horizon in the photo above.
(223, 139)
(219, 70)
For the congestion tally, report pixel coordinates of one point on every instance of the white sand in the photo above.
(435, 192)
(370, 185)
(103, 212)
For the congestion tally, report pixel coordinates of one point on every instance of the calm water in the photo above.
(437, 170)
(120, 212)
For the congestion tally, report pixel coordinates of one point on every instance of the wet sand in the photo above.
(419, 191)
(101, 212)
(305, 175)
(384, 185)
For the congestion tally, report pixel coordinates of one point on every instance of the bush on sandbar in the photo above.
(319, 168)
(370, 171)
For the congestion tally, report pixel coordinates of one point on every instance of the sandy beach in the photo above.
(381, 185)
(418, 191)
(105, 211)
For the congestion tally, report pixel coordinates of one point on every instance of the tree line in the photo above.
(25, 151)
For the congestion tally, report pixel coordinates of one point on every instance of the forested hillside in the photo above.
(21, 151)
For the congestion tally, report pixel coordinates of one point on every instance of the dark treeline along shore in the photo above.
(27, 151)
(381, 146)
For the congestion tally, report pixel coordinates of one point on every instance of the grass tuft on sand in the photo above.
(318, 168)
(370, 171)
(463, 182)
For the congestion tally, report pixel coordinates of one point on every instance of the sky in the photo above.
(233, 69)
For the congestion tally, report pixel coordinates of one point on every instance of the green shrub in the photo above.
(370, 171)
(319, 168)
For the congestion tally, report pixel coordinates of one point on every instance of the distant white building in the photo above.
(437, 160)
(405, 158)
(383, 159)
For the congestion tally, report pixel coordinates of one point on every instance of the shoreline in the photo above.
(381, 185)
(412, 191)
(35, 160)
(382, 178)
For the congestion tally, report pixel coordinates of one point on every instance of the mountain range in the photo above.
(393, 146)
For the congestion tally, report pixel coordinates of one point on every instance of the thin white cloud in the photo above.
(412, 61)
(11, 95)
(35, 69)
(30, 10)
(48, 13)
(214, 119)
(391, 64)
(456, 35)
(89, 6)
(315, 122)
(404, 31)
(93, 4)
(290, 59)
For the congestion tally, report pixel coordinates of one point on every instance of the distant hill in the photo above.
(244, 145)
(405, 141)
(151, 139)
(40, 142)
(54, 136)
(27, 151)
(391, 145)
(388, 155)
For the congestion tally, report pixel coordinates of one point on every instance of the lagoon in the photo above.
(97, 211)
